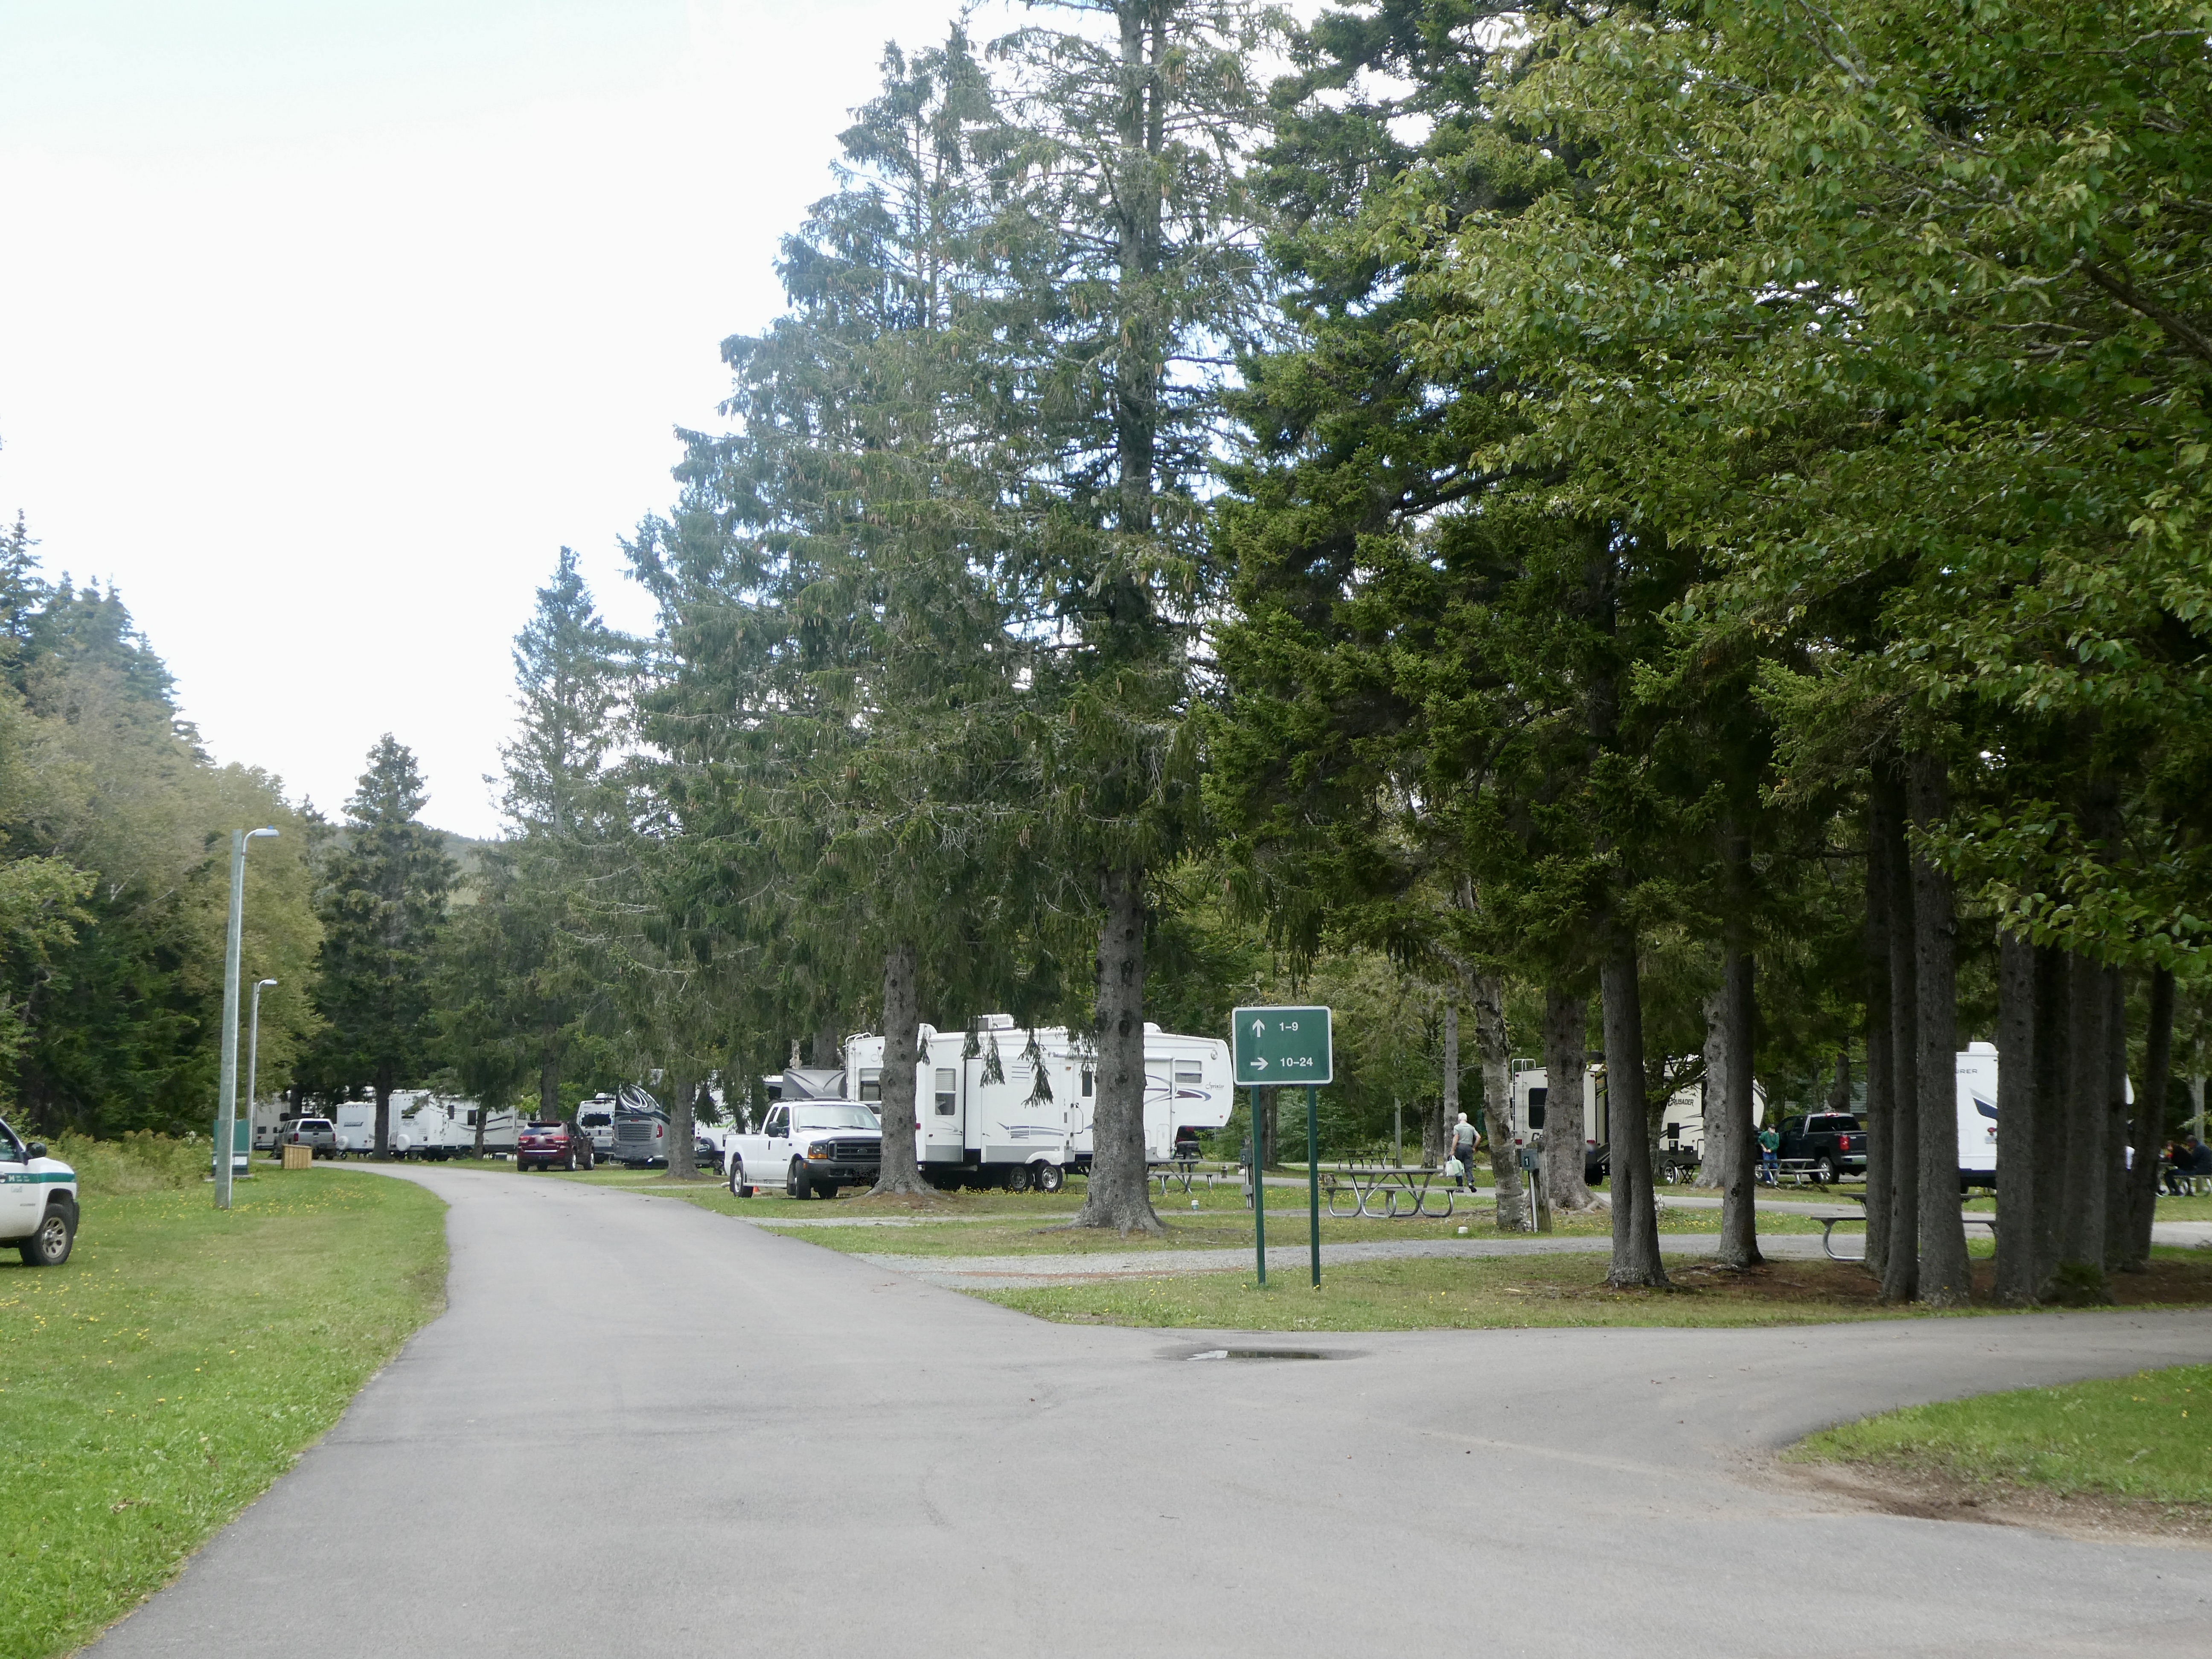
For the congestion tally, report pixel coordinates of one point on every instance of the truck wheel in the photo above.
(1824, 1172)
(49, 1246)
(1018, 1178)
(1050, 1177)
(737, 1188)
(794, 1182)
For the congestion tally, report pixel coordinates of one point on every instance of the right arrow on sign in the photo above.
(1259, 1065)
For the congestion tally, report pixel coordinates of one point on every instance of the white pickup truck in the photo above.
(38, 1201)
(812, 1146)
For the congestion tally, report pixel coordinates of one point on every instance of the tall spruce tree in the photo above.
(382, 911)
(838, 686)
(1122, 341)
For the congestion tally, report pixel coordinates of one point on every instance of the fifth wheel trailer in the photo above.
(1976, 1098)
(989, 1117)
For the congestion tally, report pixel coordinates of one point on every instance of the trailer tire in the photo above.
(1050, 1177)
(1018, 1178)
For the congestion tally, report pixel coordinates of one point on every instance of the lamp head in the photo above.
(257, 835)
(259, 983)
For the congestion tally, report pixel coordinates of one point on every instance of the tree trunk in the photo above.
(1711, 1165)
(2117, 1144)
(2051, 1036)
(2081, 1232)
(549, 1087)
(899, 1172)
(1881, 1066)
(383, 1086)
(682, 1130)
(1946, 1281)
(1449, 1108)
(1566, 1022)
(1492, 1044)
(2019, 1116)
(1738, 1243)
(827, 1044)
(1635, 1214)
(483, 1111)
(1120, 1187)
(1839, 1085)
(1901, 1280)
(2149, 1123)
(1881, 1062)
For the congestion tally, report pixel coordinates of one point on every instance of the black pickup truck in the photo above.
(1829, 1144)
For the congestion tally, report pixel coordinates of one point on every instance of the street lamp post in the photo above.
(226, 1105)
(253, 1055)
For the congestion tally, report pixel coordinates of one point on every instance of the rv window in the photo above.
(1087, 1075)
(1188, 1074)
(872, 1083)
(945, 1091)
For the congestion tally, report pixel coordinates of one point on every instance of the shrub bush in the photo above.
(141, 1162)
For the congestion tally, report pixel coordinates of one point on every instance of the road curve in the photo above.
(643, 1428)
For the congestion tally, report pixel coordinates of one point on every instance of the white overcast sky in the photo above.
(323, 326)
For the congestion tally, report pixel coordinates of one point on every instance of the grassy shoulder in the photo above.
(159, 1382)
(2145, 1439)
(1462, 1293)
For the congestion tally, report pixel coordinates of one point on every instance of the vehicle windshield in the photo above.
(315, 1123)
(836, 1116)
(1837, 1125)
(544, 1128)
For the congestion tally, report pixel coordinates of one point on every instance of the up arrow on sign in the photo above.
(1293, 1044)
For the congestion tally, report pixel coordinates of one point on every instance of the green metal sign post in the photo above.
(1259, 1197)
(1272, 1047)
(1313, 1177)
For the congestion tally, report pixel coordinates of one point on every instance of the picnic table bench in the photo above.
(1386, 1192)
(1831, 1219)
(1175, 1173)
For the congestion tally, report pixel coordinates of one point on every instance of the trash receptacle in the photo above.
(297, 1157)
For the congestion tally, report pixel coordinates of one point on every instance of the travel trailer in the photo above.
(1018, 1109)
(1681, 1130)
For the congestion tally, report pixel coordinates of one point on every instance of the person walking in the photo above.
(1463, 1150)
(1770, 1162)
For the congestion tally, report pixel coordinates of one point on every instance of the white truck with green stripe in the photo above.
(38, 1201)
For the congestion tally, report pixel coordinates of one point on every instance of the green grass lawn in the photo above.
(159, 1381)
(1212, 1227)
(2146, 1437)
(1461, 1293)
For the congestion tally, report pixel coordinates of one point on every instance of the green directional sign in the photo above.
(1276, 1047)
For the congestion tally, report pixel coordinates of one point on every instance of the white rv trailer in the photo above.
(989, 1118)
(1681, 1131)
(1977, 1114)
(424, 1125)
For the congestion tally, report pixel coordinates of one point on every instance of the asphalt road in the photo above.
(643, 1428)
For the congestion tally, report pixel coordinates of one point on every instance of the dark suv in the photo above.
(1832, 1143)
(544, 1145)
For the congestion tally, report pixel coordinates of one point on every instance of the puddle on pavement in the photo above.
(1255, 1353)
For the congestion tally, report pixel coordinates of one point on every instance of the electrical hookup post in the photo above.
(1275, 1047)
